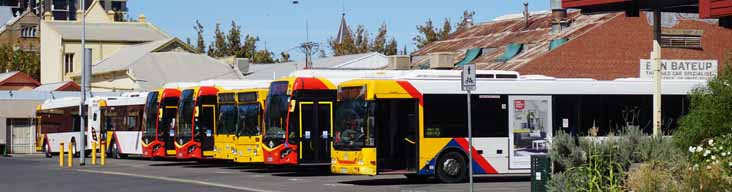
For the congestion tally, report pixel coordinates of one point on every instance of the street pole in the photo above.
(656, 57)
(470, 143)
(469, 83)
(84, 82)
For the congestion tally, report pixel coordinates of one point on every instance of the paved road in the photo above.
(36, 173)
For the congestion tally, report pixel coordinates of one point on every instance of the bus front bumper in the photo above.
(281, 155)
(189, 150)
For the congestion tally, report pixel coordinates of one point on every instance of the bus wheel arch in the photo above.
(451, 165)
(73, 147)
(47, 149)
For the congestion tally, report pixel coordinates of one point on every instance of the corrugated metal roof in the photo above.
(277, 70)
(127, 56)
(505, 30)
(116, 31)
(52, 86)
(6, 13)
(154, 70)
(5, 76)
(43, 95)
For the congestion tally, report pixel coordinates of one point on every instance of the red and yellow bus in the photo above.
(298, 121)
(196, 120)
(238, 134)
(161, 108)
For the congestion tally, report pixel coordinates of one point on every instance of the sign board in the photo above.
(680, 69)
(468, 77)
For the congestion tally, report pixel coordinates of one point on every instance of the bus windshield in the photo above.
(227, 119)
(166, 125)
(276, 114)
(185, 115)
(353, 121)
(249, 120)
(151, 116)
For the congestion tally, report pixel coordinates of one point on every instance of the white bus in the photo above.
(417, 126)
(58, 122)
(119, 120)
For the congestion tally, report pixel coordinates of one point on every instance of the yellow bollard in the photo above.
(94, 153)
(103, 154)
(71, 155)
(61, 155)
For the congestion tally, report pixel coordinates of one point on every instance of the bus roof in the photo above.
(180, 85)
(62, 103)
(558, 86)
(236, 84)
(135, 98)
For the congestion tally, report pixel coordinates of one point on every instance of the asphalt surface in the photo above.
(37, 173)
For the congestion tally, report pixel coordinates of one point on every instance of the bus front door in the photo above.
(206, 122)
(315, 127)
(396, 135)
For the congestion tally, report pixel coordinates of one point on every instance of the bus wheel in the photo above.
(451, 167)
(115, 151)
(47, 150)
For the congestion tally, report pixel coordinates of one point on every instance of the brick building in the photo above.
(574, 45)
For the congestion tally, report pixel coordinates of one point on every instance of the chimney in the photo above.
(141, 18)
(110, 15)
(79, 14)
(47, 16)
(243, 65)
(527, 15)
(559, 16)
(442, 60)
(398, 62)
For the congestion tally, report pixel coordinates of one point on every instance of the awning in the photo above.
(512, 50)
(557, 42)
(470, 55)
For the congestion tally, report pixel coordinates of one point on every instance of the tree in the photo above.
(426, 35)
(380, 40)
(220, 47)
(362, 40)
(263, 56)
(466, 20)
(234, 41)
(27, 62)
(404, 51)
(445, 31)
(709, 111)
(391, 47)
(284, 57)
(200, 43)
(249, 48)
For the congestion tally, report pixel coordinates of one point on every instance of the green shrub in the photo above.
(653, 176)
(710, 113)
(565, 153)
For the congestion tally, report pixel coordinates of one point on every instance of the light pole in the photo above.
(84, 86)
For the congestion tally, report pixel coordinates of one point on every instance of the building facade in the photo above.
(67, 9)
(61, 57)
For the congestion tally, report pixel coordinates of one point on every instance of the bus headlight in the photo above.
(233, 150)
(214, 149)
(156, 148)
(191, 149)
(285, 153)
(360, 162)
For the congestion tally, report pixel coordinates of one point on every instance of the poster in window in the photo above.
(530, 128)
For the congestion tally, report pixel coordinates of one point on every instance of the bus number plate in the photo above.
(269, 159)
(344, 170)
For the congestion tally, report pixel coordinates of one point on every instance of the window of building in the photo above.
(681, 38)
(68, 63)
(29, 31)
(62, 5)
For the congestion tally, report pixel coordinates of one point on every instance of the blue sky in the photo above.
(281, 24)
